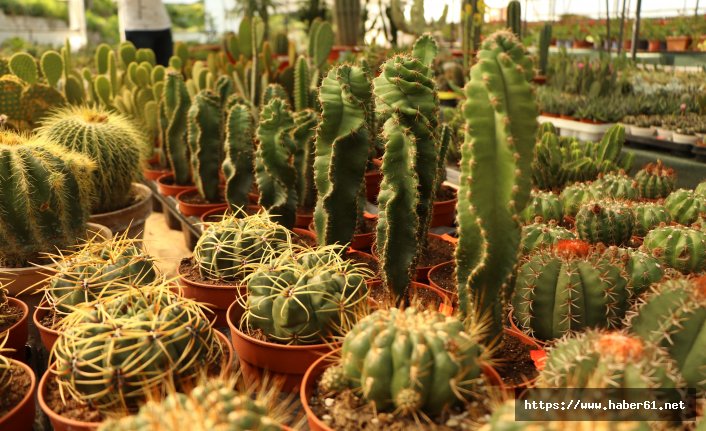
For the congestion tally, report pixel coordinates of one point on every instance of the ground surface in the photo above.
(166, 245)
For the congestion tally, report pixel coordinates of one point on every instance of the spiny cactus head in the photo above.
(685, 206)
(607, 222)
(541, 235)
(678, 247)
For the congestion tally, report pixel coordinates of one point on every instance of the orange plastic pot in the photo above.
(360, 241)
(303, 220)
(436, 269)
(46, 334)
(372, 182)
(166, 186)
(152, 174)
(422, 272)
(218, 298)
(444, 301)
(444, 213)
(195, 210)
(21, 417)
(18, 333)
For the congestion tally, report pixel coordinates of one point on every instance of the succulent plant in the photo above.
(542, 235)
(51, 191)
(606, 222)
(205, 144)
(123, 349)
(573, 197)
(514, 18)
(109, 139)
(176, 102)
(239, 155)
(685, 206)
(701, 189)
(304, 297)
(545, 39)
(398, 360)
(673, 315)
(303, 134)
(655, 181)
(649, 215)
(642, 268)
(559, 292)
(616, 186)
(678, 247)
(544, 205)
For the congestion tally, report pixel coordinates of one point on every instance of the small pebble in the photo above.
(328, 402)
(374, 421)
(327, 418)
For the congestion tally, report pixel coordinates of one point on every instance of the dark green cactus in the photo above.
(655, 181)
(610, 223)
(111, 140)
(678, 247)
(38, 100)
(501, 125)
(343, 143)
(616, 186)
(11, 88)
(239, 155)
(545, 39)
(302, 79)
(176, 104)
(544, 205)
(685, 206)
(384, 354)
(205, 145)
(649, 215)
(303, 134)
(542, 235)
(272, 91)
(575, 196)
(514, 18)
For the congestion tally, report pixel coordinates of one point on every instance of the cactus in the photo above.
(24, 67)
(301, 84)
(685, 206)
(125, 348)
(11, 88)
(111, 140)
(397, 359)
(514, 18)
(225, 249)
(575, 196)
(303, 133)
(606, 222)
(239, 154)
(616, 186)
(544, 205)
(649, 215)
(321, 39)
(272, 91)
(343, 143)
(673, 315)
(304, 297)
(643, 269)
(557, 292)
(472, 12)
(545, 39)
(700, 189)
(38, 100)
(52, 67)
(204, 139)
(176, 104)
(50, 190)
(348, 20)
(678, 247)
(542, 235)
(655, 181)
(501, 125)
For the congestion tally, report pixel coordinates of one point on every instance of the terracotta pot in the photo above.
(254, 198)
(566, 117)
(46, 334)
(166, 186)
(218, 298)
(305, 233)
(435, 269)
(360, 241)
(444, 212)
(654, 46)
(422, 272)
(28, 279)
(195, 210)
(303, 219)
(549, 114)
(152, 173)
(582, 44)
(372, 182)
(287, 364)
(21, 417)
(444, 301)
(131, 219)
(678, 43)
(19, 332)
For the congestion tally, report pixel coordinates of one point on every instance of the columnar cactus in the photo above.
(545, 39)
(303, 134)
(405, 97)
(205, 145)
(678, 247)
(304, 297)
(48, 193)
(111, 140)
(176, 103)
(655, 181)
(685, 206)
(558, 292)
(302, 78)
(397, 360)
(617, 186)
(544, 205)
(606, 222)
(649, 215)
(575, 196)
(673, 315)
(96, 354)
(514, 18)
(501, 113)
(542, 235)
(343, 143)
(239, 155)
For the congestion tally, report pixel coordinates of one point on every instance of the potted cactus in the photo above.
(17, 386)
(655, 181)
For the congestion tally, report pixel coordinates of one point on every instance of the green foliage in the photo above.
(678, 247)
(606, 222)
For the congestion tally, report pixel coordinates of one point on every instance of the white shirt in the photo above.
(136, 15)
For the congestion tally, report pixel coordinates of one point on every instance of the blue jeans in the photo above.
(159, 41)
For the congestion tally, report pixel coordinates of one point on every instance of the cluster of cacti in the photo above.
(304, 296)
(111, 140)
(543, 205)
(406, 99)
(417, 23)
(205, 144)
(545, 39)
(678, 247)
(616, 186)
(48, 193)
(501, 122)
(513, 18)
(174, 107)
(573, 197)
(649, 215)
(542, 235)
(685, 206)
(125, 348)
(559, 292)
(607, 222)
(239, 155)
(227, 248)
(343, 143)
(398, 360)
(655, 181)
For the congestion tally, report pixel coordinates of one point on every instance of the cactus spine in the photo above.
(239, 155)
(542, 235)
(678, 247)
(685, 206)
(610, 223)
(514, 18)
(501, 115)
(205, 145)
(655, 181)
(575, 196)
(544, 205)
(343, 142)
(649, 215)
(616, 186)
(176, 104)
(545, 39)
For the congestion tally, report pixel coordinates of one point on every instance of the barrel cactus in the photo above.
(573, 197)
(95, 354)
(673, 315)
(642, 268)
(616, 186)
(685, 206)
(544, 205)
(649, 215)
(557, 292)
(542, 235)
(47, 191)
(111, 140)
(655, 181)
(701, 189)
(605, 222)
(383, 356)
(227, 248)
(678, 247)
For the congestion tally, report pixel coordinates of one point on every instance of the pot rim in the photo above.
(182, 276)
(133, 186)
(191, 189)
(28, 396)
(42, 307)
(25, 313)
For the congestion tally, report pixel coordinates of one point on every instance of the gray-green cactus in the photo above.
(239, 152)
(176, 103)
(205, 145)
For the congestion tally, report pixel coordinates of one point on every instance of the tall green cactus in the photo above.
(343, 142)
(239, 155)
(472, 12)
(514, 18)
(405, 94)
(545, 39)
(303, 133)
(302, 83)
(205, 146)
(495, 178)
(176, 104)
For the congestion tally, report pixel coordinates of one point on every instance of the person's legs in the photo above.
(163, 46)
(139, 38)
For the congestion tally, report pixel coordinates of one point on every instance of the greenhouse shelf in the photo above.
(175, 219)
(577, 129)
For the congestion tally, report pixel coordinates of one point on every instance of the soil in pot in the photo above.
(437, 251)
(367, 260)
(515, 367)
(20, 384)
(190, 270)
(444, 278)
(71, 409)
(420, 296)
(14, 313)
(194, 198)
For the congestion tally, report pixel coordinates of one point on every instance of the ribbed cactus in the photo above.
(225, 249)
(701, 189)
(343, 144)
(111, 140)
(304, 297)
(500, 113)
(472, 12)
(272, 91)
(545, 39)
(398, 360)
(610, 223)
(643, 269)
(239, 152)
(673, 316)
(655, 181)
(544, 205)
(575, 196)
(405, 96)
(616, 186)
(302, 79)
(303, 134)
(678, 247)
(685, 206)
(649, 215)
(176, 104)
(542, 235)
(557, 292)
(513, 19)
(125, 348)
(48, 193)
(205, 145)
